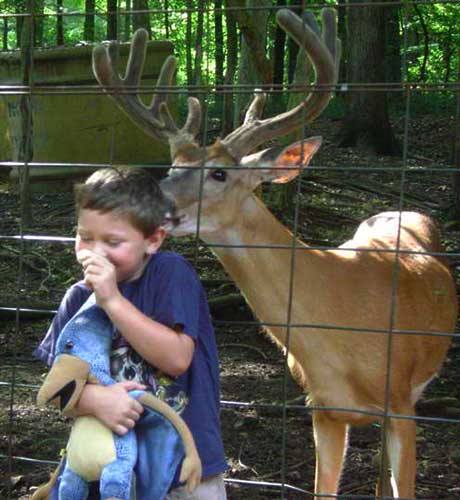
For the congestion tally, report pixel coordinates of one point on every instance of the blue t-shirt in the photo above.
(170, 292)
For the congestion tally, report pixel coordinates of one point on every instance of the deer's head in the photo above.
(211, 183)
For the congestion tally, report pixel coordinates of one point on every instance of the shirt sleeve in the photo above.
(72, 301)
(179, 296)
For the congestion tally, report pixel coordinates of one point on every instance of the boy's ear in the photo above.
(155, 240)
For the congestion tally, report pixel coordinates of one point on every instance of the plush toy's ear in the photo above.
(64, 383)
(295, 157)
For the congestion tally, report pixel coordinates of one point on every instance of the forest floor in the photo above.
(263, 443)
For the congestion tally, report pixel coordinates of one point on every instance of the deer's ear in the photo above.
(297, 155)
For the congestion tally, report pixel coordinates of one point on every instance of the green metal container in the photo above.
(72, 125)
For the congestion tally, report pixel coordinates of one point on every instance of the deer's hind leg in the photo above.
(330, 441)
(401, 448)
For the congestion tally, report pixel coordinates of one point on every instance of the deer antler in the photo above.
(155, 119)
(324, 52)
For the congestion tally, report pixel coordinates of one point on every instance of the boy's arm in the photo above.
(112, 405)
(168, 350)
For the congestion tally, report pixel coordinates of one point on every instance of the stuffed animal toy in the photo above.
(93, 451)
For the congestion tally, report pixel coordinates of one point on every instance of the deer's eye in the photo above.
(219, 175)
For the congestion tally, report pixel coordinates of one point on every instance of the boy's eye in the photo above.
(113, 243)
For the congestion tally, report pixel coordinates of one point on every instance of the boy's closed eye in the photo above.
(114, 243)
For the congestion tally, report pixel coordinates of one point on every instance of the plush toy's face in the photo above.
(82, 355)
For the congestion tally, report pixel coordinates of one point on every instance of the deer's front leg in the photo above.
(330, 440)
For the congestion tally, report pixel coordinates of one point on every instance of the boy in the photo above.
(164, 338)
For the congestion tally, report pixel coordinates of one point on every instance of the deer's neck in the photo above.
(264, 274)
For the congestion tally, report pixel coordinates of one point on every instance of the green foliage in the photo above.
(429, 43)
(441, 42)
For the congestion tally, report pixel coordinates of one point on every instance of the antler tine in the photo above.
(256, 108)
(136, 58)
(310, 19)
(322, 52)
(155, 119)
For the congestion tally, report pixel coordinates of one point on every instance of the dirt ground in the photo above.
(264, 444)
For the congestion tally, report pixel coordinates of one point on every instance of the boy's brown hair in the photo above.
(131, 192)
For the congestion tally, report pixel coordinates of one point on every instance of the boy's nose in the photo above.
(99, 249)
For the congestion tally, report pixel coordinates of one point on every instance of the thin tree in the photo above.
(456, 151)
(188, 43)
(127, 20)
(293, 48)
(59, 23)
(343, 36)
(426, 42)
(219, 42)
(166, 8)
(278, 52)
(25, 152)
(39, 6)
(88, 30)
(112, 25)
(197, 73)
(20, 8)
(5, 34)
(219, 52)
(141, 19)
(232, 61)
(254, 66)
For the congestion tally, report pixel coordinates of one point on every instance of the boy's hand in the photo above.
(112, 405)
(99, 274)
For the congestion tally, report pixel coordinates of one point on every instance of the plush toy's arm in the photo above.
(64, 383)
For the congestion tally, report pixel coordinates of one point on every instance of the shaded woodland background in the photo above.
(391, 139)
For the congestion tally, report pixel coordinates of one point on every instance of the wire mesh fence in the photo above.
(59, 123)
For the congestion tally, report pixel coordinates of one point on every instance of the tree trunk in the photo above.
(393, 46)
(166, 7)
(197, 73)
(90, 7)
(19, 9)
(112, 11)
(5, 34)
(219, 54)
(456, 151)
(188, 43)
(254, 67)
(232, 60)
(343, 35)
(278, 52)
(367, 122)
(447, 52)
(293, 48)
(426, 43)
(142, 19)
(127, 21)
(59, 23)
(302, 77)
(39, 6)
(25, 152)
(219, 41)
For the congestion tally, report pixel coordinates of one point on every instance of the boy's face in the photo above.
(113, 236)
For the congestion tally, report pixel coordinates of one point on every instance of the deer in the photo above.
(365, 326)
